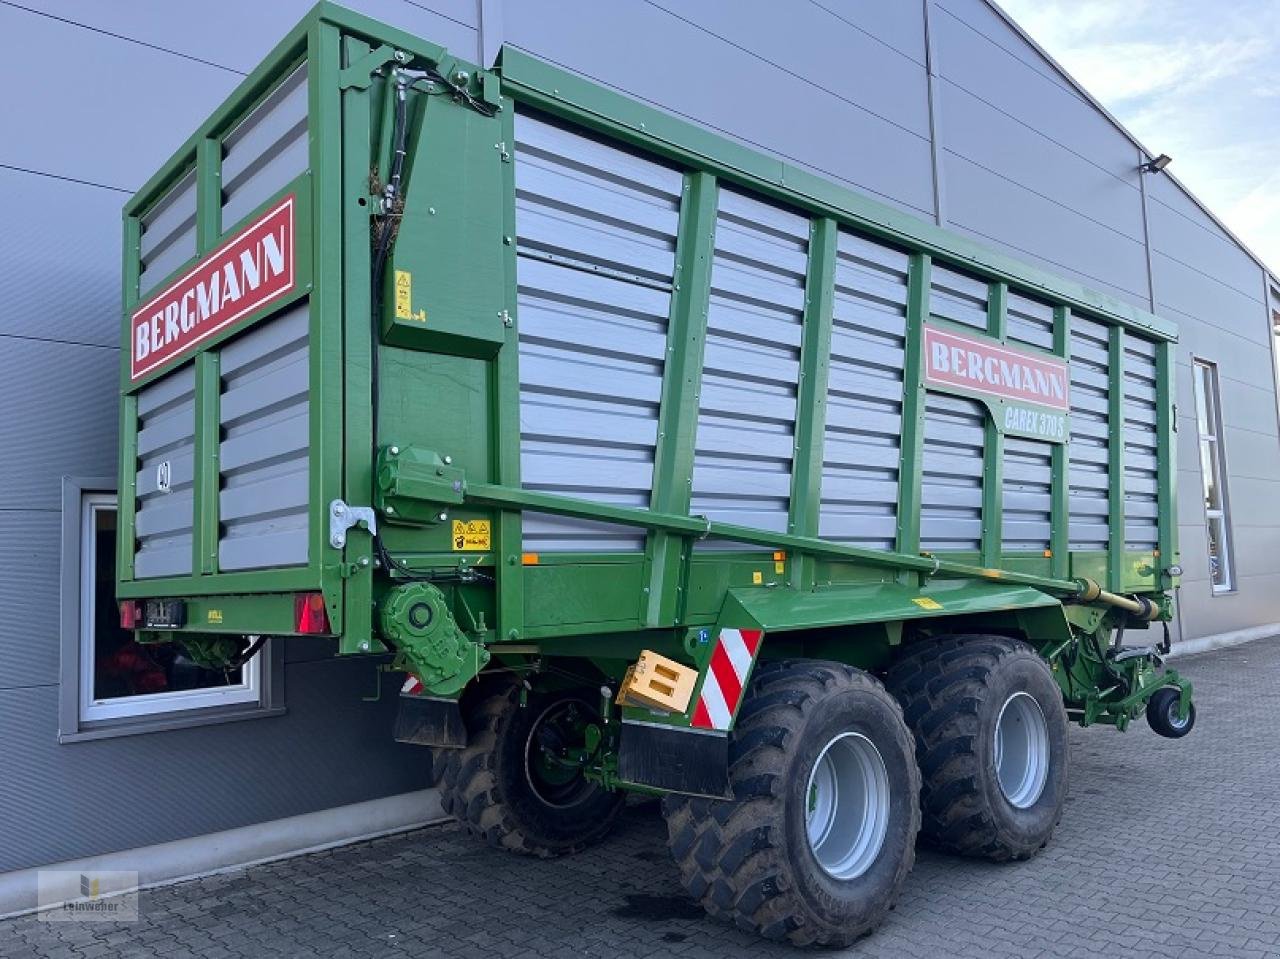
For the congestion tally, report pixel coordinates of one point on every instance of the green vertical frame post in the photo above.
(1059, 465)
(206, 476)
(505, 403)
(341, 183)
(666, 552)
(1166, 462)
(1115, 458)
(911, 461)
(204, 539)
(993, 443)
(811, 401)
(127, 485)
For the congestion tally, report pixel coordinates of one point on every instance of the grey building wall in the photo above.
(938, 107)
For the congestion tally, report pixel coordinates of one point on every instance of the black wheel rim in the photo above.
(558, 730)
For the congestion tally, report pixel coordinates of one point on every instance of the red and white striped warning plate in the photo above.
(727, 675)
(412, 686)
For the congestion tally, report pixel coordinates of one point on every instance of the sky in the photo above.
(1196, 79)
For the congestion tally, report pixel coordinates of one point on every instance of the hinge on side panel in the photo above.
(343, 517)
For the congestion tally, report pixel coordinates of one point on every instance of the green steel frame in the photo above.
(668, 587)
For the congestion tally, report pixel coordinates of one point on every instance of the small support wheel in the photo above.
(1162, 713)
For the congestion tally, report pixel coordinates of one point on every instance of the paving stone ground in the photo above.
(1166, 849)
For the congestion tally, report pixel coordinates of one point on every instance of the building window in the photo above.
(112, 684)
(1213, 469)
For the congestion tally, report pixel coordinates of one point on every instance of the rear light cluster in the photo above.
(309, 614)
(310, 617)
(130, 614)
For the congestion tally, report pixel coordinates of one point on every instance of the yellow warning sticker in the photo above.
(779, 567)
(214, 616)
(757, 577)
(470, 534)
(924, 602)
(404, 298)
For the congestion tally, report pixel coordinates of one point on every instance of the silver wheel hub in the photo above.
(1022, 750)
(847, 806)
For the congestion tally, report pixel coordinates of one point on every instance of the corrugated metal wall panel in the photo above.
(166, 434)
(596, 229)
(264, 451)
(861, 443)
(951, 489)
(1030, 322)
(168, 234)
(1141, 507)
(743, 453)
(958, 298)
(266, 150)
(1028, 485)
(1087, 454)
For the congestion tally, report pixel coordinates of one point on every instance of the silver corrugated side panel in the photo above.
(1028, 485)
(951, 484)
(263, 456)
(266, 150)
(168, 234)
(862, 440)
(596, 231)
(1141, 506)
(744, 450)
(1028, 470)
(958, 298)
(166, 451)
(1030, 321)
(1087, 456)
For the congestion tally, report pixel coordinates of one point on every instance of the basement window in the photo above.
(1213, 471)
(114, 685)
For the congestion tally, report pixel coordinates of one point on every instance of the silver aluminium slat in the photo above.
(1141, 504)
(1030, 322)
(596, 234)
(862, 439)
(266, 150)
(165, 475)
(1028, 485)
(744, 451)
(1088, 458)
(951, 482)
(959, 298)
(168, 236)
(263, 455)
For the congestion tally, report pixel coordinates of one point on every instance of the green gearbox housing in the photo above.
(417, 620)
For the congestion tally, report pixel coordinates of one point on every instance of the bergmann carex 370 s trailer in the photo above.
(658, 464)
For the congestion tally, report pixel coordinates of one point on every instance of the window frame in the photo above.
(1210, 410)
(80, 717)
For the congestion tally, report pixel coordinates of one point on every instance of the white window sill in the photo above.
(165, 722)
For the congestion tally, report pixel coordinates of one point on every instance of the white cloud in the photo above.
(1192, 79)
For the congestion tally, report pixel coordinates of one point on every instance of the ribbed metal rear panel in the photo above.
(1087, 454)
(166, 435)
(1028, 485)
(168, 234)
(263, 455)
(1030, 322)
(1141, 530)
(951, 488)
(958, 298)
(745, 443)
(266, 150)
(596, 231)
(861, 444)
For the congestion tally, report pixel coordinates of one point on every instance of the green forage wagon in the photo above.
(658, 465)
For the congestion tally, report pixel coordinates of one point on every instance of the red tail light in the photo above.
(309, 614)
(130, 614)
